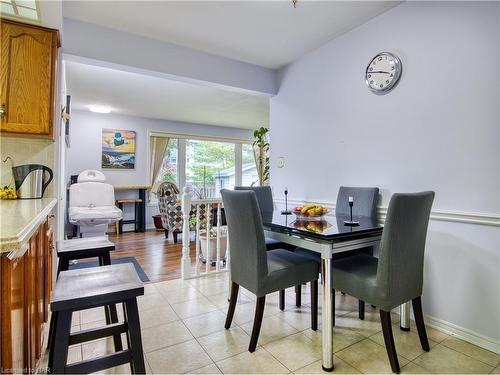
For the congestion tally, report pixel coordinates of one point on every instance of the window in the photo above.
(210, 166)
(23, 9)
(249, 175)
(206, 165)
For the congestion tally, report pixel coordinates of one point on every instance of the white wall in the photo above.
(438, 129)
(85, 151)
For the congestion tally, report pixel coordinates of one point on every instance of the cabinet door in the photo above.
(13, 311)
(49, 261)
(30, 296)
(27, 75)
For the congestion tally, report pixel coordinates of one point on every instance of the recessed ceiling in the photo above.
(267, 33)
(146, 96)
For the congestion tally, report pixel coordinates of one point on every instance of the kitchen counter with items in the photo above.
(20, 219)
(26, 280)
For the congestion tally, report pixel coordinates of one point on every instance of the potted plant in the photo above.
(261, 154)
(212, 237)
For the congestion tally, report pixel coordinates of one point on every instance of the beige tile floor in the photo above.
(182, 332)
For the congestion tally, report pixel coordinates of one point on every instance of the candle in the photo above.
(351, 199)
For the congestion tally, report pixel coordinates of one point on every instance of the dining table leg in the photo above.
(404, 316)
(327, 313)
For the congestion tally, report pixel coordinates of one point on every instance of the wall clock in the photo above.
(383, 73)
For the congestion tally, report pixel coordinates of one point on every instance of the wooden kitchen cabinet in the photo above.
(26, 285)
(27, 79)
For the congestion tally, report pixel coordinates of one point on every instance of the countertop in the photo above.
(126, 187)
(19, 219)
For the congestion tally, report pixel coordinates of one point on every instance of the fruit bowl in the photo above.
(310, 211)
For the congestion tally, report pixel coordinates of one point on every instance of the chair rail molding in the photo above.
(480, 218)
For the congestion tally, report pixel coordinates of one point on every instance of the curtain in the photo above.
(158, 148)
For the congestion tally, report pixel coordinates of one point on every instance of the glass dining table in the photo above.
(327, 236)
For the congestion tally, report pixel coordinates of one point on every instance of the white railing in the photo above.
(206, 261)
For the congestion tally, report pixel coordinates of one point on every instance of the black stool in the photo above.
(91, 247)
(137, 220)
(81, 248)
(87, 288)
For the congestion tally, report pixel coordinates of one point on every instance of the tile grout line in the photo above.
(277, 314)
(467, 355)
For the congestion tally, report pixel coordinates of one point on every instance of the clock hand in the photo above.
(379, 71)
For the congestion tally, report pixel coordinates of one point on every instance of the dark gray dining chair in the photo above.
(256, 269)
(396, 277)
(264, 196)
(365, 204)
(365, 201)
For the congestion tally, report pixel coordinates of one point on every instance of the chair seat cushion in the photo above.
(357, 276)
(287, 269)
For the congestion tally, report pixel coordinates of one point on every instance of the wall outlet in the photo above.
(281, 162)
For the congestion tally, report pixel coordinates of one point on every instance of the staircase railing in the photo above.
(206, 260)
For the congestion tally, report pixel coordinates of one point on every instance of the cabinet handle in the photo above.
(3, 111)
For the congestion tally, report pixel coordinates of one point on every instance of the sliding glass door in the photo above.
(210, 166)
(207, 165)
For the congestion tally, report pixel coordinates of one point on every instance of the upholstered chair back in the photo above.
(246, 239)
(401, 259)
(264, 196)
(365, 201)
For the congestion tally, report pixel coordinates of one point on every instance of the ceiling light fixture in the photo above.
(99, 108)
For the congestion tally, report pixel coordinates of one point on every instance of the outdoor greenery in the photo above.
(169, 168)
(206, 159)
(209, 158)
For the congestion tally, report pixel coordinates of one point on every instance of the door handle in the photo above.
(3, 111)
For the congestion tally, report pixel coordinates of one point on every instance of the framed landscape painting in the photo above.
(118, 149)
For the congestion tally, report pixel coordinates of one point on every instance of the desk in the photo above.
(141, 226)
(328, 238)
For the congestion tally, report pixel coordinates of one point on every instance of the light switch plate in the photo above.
(281, 162)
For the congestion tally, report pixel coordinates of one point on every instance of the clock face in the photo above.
(383, 72)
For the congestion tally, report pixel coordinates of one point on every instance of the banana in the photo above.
(306, 208)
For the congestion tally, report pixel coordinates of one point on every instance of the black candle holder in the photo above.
(351, 223)
(286, 211)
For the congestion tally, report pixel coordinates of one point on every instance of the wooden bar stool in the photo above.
(91, 247)
(87, 288)
(137, 220)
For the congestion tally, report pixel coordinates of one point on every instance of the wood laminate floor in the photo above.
(159, 258)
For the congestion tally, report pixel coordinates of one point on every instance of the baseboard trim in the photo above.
(479, 218)
(463, 333)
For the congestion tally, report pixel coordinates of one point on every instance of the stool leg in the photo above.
(120, 222)
(112, 317)
(106, 259)
(50, 343)
(63, 265)
(134, 340)
(59, 352)
(136, 217)
(110, 310)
